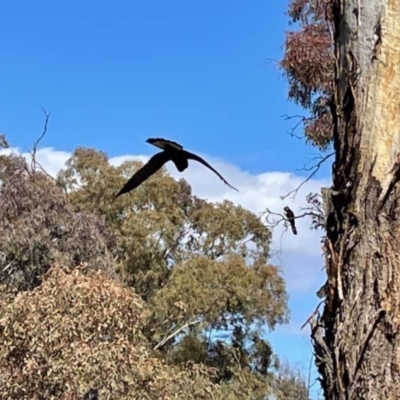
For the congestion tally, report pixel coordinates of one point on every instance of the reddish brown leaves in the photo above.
(318, 129)
(308, 11)
(308, 63)
(79, 331)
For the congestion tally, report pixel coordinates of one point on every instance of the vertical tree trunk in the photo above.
(357, 338)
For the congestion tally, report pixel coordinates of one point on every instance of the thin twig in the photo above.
(315, 169)
(317, 158)
(302, 118)
(7, 266)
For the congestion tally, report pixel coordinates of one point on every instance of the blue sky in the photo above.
(113, 74)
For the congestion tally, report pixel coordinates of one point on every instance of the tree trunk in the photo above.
(356, 339)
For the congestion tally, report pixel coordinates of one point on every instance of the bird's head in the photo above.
(164, 144)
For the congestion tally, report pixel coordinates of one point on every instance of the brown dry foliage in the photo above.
(308, 64)
(307, 11)
(77, 331)
(38, 227)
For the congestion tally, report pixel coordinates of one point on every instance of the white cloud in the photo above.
(297, 254)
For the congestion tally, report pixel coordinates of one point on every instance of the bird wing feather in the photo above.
(164, 143)
(192, 156)
(152, 166)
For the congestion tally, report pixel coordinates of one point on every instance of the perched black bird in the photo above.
(289, 214)
(172, 151)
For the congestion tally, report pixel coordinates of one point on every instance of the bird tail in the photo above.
(294, 230)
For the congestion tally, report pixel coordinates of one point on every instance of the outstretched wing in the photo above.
(152, 166)
(164, 144)
(192, 156)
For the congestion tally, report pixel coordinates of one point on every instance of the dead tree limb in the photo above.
(175, 333)
(36, 143)
(313, 170)
(34, 162)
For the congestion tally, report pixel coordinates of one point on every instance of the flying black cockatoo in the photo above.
(289, 214)
(172, 151)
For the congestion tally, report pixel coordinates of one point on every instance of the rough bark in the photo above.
(357, 338)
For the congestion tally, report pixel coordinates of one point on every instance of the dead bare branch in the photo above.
(301, 118)
(315, 211)
(34, 162)
(312, 315)
(315, 159)
(314, 170)
(176, 332)
(3, 142)
(36, 143)
(274, 224)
